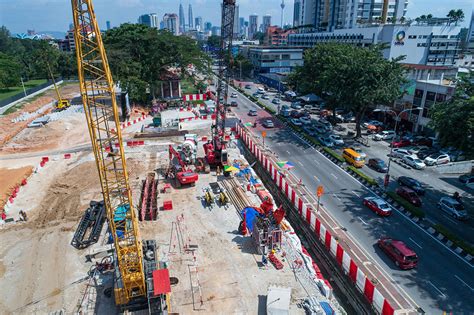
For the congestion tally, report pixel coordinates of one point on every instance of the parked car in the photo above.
(233, 104)
(399, 153)
(457, 156)
(266, 97)
(409, 195)
(305, 120)
(336, 139)
(372, 123)
(296, 114)
(378, 165)
(233, 95)
(268, 123)
(384, 135)
(335, 120)
(402, 255)
(424, 153)
(348, 118)
(310, 130)
(359, 150)
(276, 101)
(320, 129)
(437, 159)
(423, 141)
(296, 105)
(414, 162)
(296, 122)
(326, 124)
(308, 107)
(260, 90)
(378, 206)
(326, 141)
(411, 183)
(248, 86)
(252, 112)
(256, 95)
(466, 178)
(401, 143)
(417, 149)
(453, 207)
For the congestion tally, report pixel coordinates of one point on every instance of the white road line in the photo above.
(363, 222)
(300, 163)
(467, 285)
(436, 288)
(333, 175)
(356, 194)
(316, 177)
(415, 243)
(335, 196)
(452, 221)
(288, 152)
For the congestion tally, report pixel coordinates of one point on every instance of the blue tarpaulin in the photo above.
(121, 212)
(250, 215)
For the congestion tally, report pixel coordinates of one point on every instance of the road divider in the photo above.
(402, 204)
(361, 175)
(456, 241)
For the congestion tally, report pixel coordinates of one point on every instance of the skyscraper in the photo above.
(182, 27)
(170, 22)
(190, 17)
(198, 24)
(236, 23)
(267, 21)
(241, 26)
(150, 20)
(253, 25)
(107, 23)
(297, 13)
(207, 26)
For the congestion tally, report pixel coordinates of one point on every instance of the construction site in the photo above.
(103, 216)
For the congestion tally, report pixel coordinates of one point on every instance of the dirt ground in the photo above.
(9, 178)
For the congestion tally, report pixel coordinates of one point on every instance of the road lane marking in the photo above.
(363, 222)
(335, 196)
(436, 288)
(300, 163)
(356, 194)
(415, 243)
(467, 285)
(333, 175)
(316, 177)
(288, 152)
(452, 221)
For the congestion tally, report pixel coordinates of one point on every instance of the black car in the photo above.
(233, 104)
(412, 183)
(422, 154)
(378, 165)
(466, 178)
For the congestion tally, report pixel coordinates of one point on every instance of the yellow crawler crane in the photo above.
(100, 107)
(61, 103)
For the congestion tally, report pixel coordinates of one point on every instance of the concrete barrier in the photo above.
(455, 167)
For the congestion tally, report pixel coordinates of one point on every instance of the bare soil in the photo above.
(9, 179)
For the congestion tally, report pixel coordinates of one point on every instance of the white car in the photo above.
(296, 122)
(233, 95)
(414, 162)
(305, 120)
(336, 139)
(326, 141)
(437, 159)
(384, 135)
(260, 90)
(266, 97)
(400, 153)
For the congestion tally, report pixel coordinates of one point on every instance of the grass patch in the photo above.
(408, 206)
(12, 91)
(455, 239)
(334, 154)
(369, 179)
(188, 87)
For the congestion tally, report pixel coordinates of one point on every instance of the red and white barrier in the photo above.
(194, 97)
(360, 280)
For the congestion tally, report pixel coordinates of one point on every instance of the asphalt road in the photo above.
(441, 282)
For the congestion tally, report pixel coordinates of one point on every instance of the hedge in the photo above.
(455, 239)
(334, 154)
(408, 206)
(369, 179)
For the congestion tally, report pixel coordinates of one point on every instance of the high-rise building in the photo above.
(267, 22)
(241, 26)
(236, 23)
(207, 26)
(107, 23)
(182, 22)
(170, 22)
(198, 24)
(216, 31)
(282, 6)
(150, 20)
(297, 13)
(190, 17)
(253, 25)
(470, 34)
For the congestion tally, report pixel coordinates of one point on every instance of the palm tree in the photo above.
(402, 20)
(458, 16)
(429, 16)
(417, 20)
(451, 15)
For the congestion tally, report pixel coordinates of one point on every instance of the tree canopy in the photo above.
(454, 119)
(140, 55)
(350, 77)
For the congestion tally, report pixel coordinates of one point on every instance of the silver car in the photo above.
(452, 207)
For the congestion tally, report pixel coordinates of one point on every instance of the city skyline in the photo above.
(23, 14)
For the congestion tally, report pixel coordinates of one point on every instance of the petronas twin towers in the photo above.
(183, 27)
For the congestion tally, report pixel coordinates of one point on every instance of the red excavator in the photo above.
(179, 171)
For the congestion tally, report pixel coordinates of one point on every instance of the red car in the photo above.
(403, 256)
(378, 206)
(401, 143)
(409, 195)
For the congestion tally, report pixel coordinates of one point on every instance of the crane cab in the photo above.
(62, 105)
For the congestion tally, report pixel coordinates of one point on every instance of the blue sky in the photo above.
(55, 15)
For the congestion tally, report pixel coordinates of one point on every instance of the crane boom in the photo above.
(100, 107)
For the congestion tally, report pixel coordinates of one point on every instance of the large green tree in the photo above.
(140, 55)
(454, 119)
(9, 71)
(351, 77)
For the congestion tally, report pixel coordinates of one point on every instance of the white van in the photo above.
(260, 90)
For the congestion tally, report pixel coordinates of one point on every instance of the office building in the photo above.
(207, 26)
(236, 31)
(190, 17)
(253, 25)
(170, 22)
(470, 35)
(273, 59)
(297, 13)
(421, 44)
(241, 26)
(267, 22)
(216, 31)
(182, 22)
(107, 23)
(198, 24)
(150, 20)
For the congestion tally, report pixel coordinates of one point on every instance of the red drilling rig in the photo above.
(214, 149)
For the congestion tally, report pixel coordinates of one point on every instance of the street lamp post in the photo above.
(387, 176)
